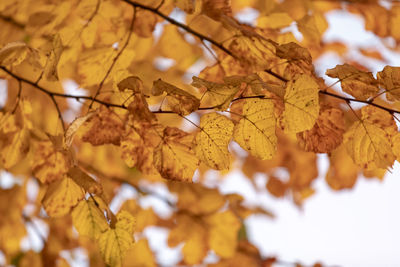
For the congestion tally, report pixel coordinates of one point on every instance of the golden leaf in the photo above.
(174, 157)
(389, 78)
(255, 132)
(89, 219)
(223, 231)
(49, 164)
(221, 95)
(342, 172)
(140, 255)
(50, 70)
(115, 242)
(360, 84)
(105, 127)
(73, 128)
(368, 141)
(61, 196)
(301, 104)
(197, 199)
(193, 233)
(179, 101)
(327, 133)
(14, 147)
(213, 139)
(13, 53)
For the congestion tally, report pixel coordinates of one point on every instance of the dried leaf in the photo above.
(179, 101)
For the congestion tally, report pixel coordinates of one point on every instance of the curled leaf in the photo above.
(179, 101)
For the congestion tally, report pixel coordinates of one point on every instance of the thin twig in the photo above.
(116, 57)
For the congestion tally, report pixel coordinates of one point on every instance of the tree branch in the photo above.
(180, 25)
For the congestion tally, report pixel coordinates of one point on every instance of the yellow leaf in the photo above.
(368, 141)
(342, 172)
(73, 128)
(136, 153)
(88, 218)
(275, 20)
(145, 23)
(174, 157)
(48, 164)
(389, 77)
(255, 132)
(140, 255)
(193, 233)
(115, 242)
(220, 95)
(223, 233)
(197, 199)
(173, 45)
(13, 53)
(327, 133)
(50, 70)
(179, 101)
(301, 104)
(14, 147)
(61, 196)
(360, 84)
(213, 139)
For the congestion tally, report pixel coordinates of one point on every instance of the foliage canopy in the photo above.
(144, 121)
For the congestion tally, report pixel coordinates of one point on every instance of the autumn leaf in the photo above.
(197, 199)
(179, 101)
(61, 196)
(255, 132)
(327, 133)
(220, 94)
(115, 242)
(104, 127)
(368, 140)
(174, 157)
(301, 104)
(389, 78)
(193, 233)
(223, 230)
(360, 84)
(212, 141)
(89, 219)
(140, 255)
(13, 53)
(50, 164)
(50, 70)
